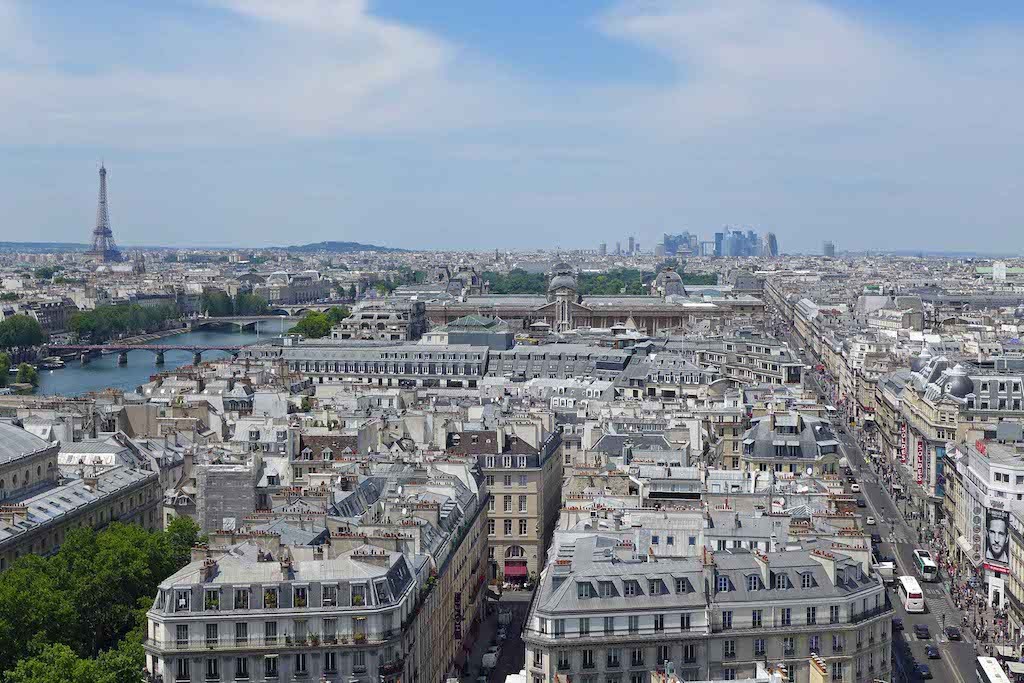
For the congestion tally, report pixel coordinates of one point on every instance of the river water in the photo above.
(104, 372)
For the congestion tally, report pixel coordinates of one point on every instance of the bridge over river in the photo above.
(87, 351)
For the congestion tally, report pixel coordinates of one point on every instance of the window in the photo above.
(300, 664)
(692, 540)
(814, 644)
(241, 633)
(329, 596)
(609, 625)
(812, 615)
(634, 624)
(833, 614)
(508, 503)
(788, 646)
(584, 626)
(670, 540)
(508, 527)
(654, 587)
(729, 674)
(722, 583)
(270, 598)
(684, 621)
(490, 527)
(659, 623)
(655, 540)
(612, 660)
(837, 671)
(523, 527)
(270, 666)
(755, 618)
(301, 593)
(559, 628)
(490, 504)
(629, 588)
(689, 653)
(727, 619)
(781, 582)
(212, 669)
(212, 635)
(636, 657)
(181, 635)
(563, 660)
(538, 658)
(242, 598)
(787, 616)
(508, 480)
(680, 585)
(522, 480)
(588, 659)
(269, 633)
(759, 650)
(806, 580)
(182, 600)
(241, 668)
(728, 649)
(753, 583)
(522, 503)
(664, 654)
(607, 589)
(184, 670)
(330, 661)
(837, 643)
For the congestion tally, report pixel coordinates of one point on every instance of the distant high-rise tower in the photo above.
(828, 249)
(103, 247)
(618, 248)
(632, 245)
(602, 249)
(771, 245)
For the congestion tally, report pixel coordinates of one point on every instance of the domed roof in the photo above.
(958, 383)
(561, 268)
(669, 274)
(562, 281)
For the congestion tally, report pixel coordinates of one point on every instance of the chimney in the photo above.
(209, 569)
(826, 560)
(761, 560)
(500, 433)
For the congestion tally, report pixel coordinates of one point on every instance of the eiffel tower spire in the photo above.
(103, 246)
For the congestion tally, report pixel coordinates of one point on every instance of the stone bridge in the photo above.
(87, 351)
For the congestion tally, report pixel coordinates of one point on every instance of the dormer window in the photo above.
(806, 580)
(607, 589)
(680, 585)
(753, 583)
(654, 587)
(307, 453)
(584, 590)
(722, 584)
(781, 581)
(328, 454)
(630, 588)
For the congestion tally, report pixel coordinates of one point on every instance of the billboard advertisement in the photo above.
(997, 539)
(903, 443)
(919, 463)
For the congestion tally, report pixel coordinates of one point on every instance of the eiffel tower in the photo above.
(103, 247)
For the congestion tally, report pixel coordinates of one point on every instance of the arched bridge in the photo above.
(87, 351)
(244, 321)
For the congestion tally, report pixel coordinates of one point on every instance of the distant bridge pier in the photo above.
(122, 358)
(85, 358)
(197, 358)
(159, 358)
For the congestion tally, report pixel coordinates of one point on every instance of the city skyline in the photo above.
(396, 125)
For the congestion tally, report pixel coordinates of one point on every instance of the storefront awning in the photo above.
(517, 569)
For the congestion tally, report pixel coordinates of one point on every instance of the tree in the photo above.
(55, 663)
(352, 292)
(105, 322)
(46, 272)
(27, 375)
(20, 332)
(9, 296)
(5, 366)
(216, 303)
(250, 304)
(337, 313)
(182, 534)
(313, 326)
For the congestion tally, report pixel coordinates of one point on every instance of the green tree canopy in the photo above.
(5, 366)
(20, 332)
(27, 374)
(106, 322)
(313, 326)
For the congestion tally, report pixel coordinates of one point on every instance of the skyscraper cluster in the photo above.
(737, 243)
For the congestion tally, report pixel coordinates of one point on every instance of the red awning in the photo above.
(515, 569)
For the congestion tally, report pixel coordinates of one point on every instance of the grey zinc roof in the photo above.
(16, 443)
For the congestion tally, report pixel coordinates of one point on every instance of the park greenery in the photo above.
(5, 366)
(46, 272)
(217, 303)
(9, 296)
(107, 322)
(616, 281)
(20, 332)
(27, 374)
(79, 614)
(315, 325)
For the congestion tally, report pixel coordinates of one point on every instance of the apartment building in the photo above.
(604, 612)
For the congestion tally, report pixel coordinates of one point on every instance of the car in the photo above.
(924, 671)
(848, 472)
(861, 503)
(922, 632)
(897, 623)
(851, 479)
(931, 651)
(953, 633)
(855, 488)
(869, 520)
(876, 539)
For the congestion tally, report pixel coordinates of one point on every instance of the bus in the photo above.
(926, 566)
(911, 594)
(989, 671)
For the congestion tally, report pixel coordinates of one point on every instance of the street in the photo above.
(899, 539)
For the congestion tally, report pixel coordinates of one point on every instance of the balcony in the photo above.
(872, 613)
(307, 641)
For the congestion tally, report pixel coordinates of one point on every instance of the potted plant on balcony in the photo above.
(360, 638)
(357, 600)
(314, 639)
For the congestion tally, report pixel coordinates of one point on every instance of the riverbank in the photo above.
(150, 337)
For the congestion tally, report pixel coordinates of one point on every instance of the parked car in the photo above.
(876, 539)
(897, 623)
(861, 503)
(931, 651)
(922, 632)
(953, 633)
(924, 671)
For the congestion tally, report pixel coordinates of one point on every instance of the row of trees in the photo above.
(79, 615)
(26, 373)
(217, 303)
(316, 325)
(617, 281)
(106, 322)
(517, 281)
(20, 332)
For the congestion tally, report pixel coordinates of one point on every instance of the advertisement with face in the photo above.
(997, 537)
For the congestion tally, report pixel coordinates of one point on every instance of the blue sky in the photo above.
(527, 124)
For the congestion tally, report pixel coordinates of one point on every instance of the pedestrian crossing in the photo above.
(939, 606)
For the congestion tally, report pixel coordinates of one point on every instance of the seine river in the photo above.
(104, 372)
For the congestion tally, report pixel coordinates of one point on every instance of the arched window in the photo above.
(515, 551)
